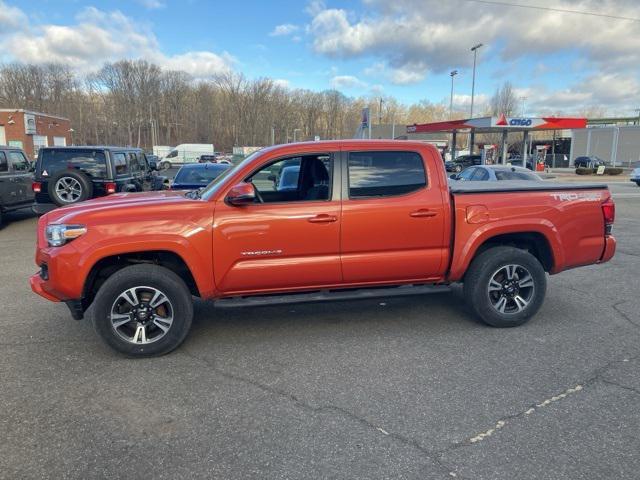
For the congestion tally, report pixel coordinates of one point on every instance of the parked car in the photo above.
(588, 162)
(367, 218)
(68, 175)
(462, 162)
(211, 158)
(197, 175)
(15, 180)
(185, 153)
(635, 176)
(494, 173)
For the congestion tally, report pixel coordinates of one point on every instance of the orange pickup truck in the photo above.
(310, 222)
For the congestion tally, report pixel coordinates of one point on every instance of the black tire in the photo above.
(73, 177)
(142, 277)
(165, 165)
(638, 183)
(496, 263)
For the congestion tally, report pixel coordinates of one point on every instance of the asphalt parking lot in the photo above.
(389, 388)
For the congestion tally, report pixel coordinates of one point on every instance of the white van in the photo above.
(186, 153)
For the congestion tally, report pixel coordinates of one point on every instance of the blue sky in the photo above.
(405, 48)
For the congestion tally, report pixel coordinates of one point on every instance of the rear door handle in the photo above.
(423, 213)
(323, 218)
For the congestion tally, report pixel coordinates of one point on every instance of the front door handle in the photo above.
(323, 218)
(424, 212)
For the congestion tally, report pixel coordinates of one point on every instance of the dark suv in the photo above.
(67, 175)
(15, 180)
(462, 162)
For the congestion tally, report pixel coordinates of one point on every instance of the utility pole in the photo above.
(472, 136)
(638, 110)
(452, 74)
(380, 112)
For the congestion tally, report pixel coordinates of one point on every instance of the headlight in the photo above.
(58, 235)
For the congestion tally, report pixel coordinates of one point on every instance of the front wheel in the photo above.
(505, 286)
(143, 311)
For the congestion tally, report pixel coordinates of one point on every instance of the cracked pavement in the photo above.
(386, 388)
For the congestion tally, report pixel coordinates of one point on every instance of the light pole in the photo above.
(638, 110)
(523, 100)
(295, 130)
(474, 49)
(452, 74)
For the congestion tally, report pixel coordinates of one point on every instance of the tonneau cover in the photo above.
(461, 187)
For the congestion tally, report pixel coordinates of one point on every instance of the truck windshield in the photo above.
(214, 186)
(90, 162)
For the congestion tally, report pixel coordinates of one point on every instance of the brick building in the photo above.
(32, 130)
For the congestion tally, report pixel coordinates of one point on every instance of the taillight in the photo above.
(36, 187)
(609, 214)
(110, 187)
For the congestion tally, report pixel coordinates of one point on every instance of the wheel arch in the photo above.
(536, 243)
(107, 266)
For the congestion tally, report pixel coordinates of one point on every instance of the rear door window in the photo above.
(4, 165)
(134, 165)
(480, 174)
(382, 174)
(90, 162)
(18, 162)
(120, 163)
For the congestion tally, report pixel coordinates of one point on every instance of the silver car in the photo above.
(635, 176)
(495, 173)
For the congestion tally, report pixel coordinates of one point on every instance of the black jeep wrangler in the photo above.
(67, 175)
(15, 180)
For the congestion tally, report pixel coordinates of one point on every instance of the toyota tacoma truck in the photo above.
(363, 218)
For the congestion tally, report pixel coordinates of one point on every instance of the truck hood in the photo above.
(146, 203)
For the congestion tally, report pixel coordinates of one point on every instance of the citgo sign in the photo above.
(520, 122)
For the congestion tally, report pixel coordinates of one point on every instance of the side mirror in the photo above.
(454, 176)
(241, 194)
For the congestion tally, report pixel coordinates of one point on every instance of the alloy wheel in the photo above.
(141, 315)
(511, 288)
(68, 189)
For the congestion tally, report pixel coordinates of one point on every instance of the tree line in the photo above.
(136, 103)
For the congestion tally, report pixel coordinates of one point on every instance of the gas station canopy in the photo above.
(500, 124)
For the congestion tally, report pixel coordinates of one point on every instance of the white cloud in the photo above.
(413, 40)
(281, 82)
(201, 64)
(346, 81)
(97, 37)
(152, 4)
(11, 18)
(463, 102)
(284, 29)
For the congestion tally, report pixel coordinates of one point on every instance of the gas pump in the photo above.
(541, 155)
(489, 154)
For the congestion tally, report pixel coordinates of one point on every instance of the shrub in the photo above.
(613, 171)
(585, 171)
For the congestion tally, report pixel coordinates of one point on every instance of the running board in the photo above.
(330, 295)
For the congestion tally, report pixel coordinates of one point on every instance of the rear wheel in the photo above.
(505, 286)
(143, 310)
